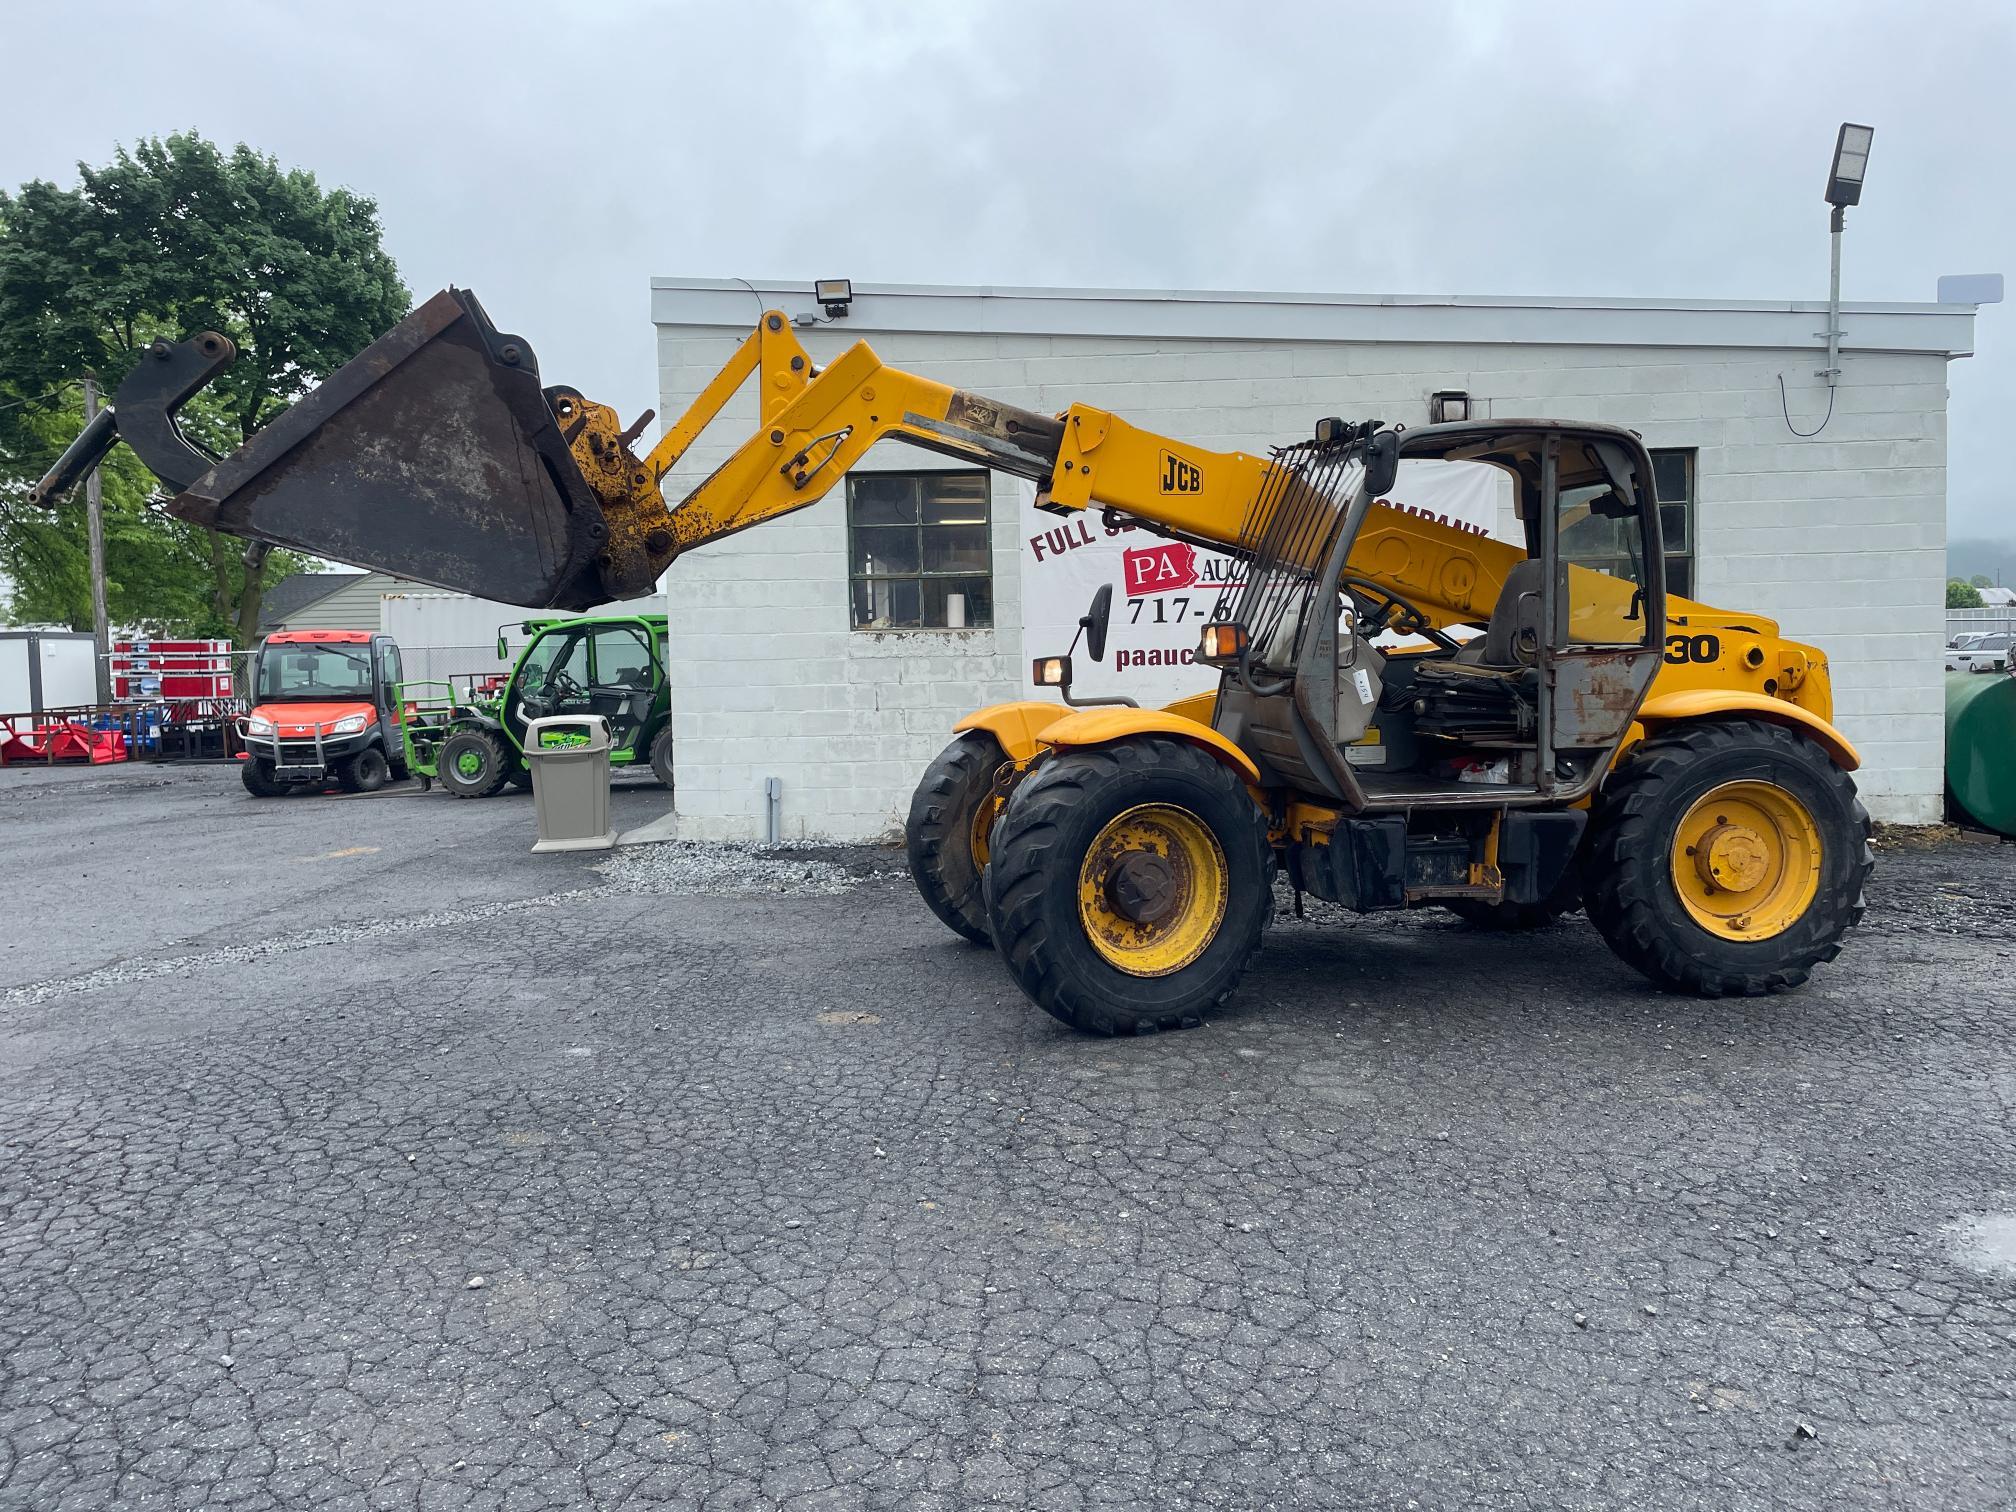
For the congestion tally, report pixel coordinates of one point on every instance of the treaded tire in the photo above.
(491, 775)
(938, 836)
(520, 777)
(366, 772)
(661, 757)
(1032, 883)
(1629, 887)
(256, 772)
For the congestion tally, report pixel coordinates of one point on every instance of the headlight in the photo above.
(350, 725)
(258, 725)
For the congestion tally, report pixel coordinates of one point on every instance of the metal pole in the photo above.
(1832, 372)
(94, 517)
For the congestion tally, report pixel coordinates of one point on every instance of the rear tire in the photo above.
(473, 763)
(1631, 888)
(366, 772)
(661, 757)
(939, 838)
(256, 772)
(1042, 858)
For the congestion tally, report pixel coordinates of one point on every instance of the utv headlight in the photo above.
(258, 724)
(350, 724)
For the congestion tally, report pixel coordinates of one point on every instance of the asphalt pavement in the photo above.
(353, 1157)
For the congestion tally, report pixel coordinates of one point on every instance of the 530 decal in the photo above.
(1682, 649)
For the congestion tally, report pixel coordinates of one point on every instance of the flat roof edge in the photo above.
(1945, 330)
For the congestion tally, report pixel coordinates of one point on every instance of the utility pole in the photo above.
(94, 516)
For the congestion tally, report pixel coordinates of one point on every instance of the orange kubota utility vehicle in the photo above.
(325, 704)
(1566, 732)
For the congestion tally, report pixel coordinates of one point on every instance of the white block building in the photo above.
(807, 655)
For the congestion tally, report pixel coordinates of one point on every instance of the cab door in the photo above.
(623, 680)
(391, 708)
(1606, 593)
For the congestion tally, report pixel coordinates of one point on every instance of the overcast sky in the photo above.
(555, 159)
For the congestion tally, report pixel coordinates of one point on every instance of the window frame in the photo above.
(1680, 580)
(920, 480)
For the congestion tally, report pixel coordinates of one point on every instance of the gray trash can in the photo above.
(569, 758)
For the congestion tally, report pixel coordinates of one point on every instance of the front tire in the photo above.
(256, 772)
(661, 757)
(473, 763)
(366, 772)
(1728, 858)
(944, 838)
(1128, 885)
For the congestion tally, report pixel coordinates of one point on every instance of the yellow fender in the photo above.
(1708, 703)
(1018, 726)
(1093, 727)
(1024, 728)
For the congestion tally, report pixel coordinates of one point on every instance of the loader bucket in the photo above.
(432, 455)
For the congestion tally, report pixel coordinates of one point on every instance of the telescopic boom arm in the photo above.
(436, 455)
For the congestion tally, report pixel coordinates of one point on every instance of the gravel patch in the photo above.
(729, 869)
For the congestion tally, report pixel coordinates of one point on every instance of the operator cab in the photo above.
(1520, 662)
(1430, 682)
(591, 666)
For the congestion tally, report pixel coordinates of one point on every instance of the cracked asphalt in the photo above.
(789, 1200)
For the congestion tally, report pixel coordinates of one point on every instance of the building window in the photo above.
(919, 552)
(1673, 486)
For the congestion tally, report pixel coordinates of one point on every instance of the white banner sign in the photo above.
(1165, 592)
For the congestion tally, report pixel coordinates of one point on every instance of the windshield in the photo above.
(314, 671)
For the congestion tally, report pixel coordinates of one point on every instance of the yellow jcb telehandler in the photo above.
(1554, 729)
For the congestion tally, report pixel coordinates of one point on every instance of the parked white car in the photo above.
(1990, 653)
(1964, 642)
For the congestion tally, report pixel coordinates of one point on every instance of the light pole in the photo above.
(94, 524)
(1844, 188)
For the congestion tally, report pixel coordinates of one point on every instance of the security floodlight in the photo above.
(835, 294)
(1851, 162)
(1844, 188)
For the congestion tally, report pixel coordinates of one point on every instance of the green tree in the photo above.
(1961, 594)
(1982, 580)
(171, 237)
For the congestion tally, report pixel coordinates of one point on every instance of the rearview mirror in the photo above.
(1382, 463)
(1093, 622)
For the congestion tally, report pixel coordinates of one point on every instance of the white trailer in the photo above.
(47, 669)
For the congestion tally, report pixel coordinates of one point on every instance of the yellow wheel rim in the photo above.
(984, 814)
(1151, 890)
(1746, 861)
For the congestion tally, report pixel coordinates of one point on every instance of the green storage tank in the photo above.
(1981, 747)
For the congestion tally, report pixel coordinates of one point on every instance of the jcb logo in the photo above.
(1180, 477)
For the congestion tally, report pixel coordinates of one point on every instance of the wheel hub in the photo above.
(1732, 857)
(1142, 887)
(1746, 860)
(1152, 889)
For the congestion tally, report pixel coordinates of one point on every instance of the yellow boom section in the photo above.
(816, 423)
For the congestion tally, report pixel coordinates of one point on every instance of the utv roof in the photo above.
(340, 637)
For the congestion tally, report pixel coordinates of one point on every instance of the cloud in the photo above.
(555, 161)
